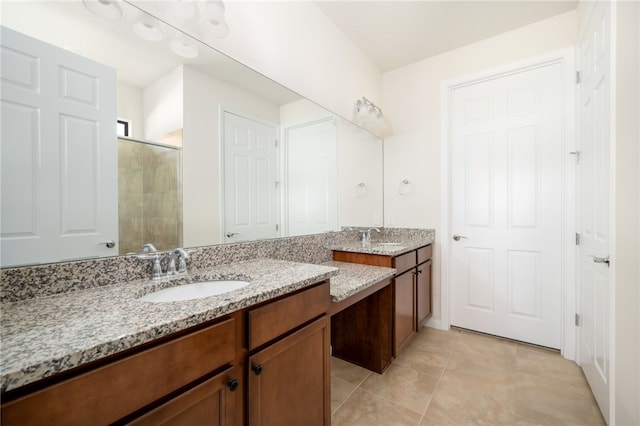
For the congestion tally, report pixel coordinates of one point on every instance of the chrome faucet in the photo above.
(176, 264)
(181, 256)
(366, 235)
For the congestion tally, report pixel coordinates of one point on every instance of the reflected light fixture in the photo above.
(183, 48)
(213, 27)
(180, 10)
(148, 30)
(107, 9)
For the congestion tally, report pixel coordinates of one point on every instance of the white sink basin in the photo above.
(193, 291)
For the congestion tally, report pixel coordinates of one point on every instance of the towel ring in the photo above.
(406, 188)
(361, 190)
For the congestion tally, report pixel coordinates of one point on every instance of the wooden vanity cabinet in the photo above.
(288, 365)
(411, 288)
(289, 381)
(133, 382)
(199, 376)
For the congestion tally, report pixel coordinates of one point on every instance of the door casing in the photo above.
(566, 58)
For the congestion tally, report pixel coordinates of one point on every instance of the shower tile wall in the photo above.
(149, 190)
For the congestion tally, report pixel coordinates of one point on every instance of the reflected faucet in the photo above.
(148, 247)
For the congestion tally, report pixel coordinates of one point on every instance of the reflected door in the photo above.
(250, 187)
(312, 178)
(506, 181)
(59, 154)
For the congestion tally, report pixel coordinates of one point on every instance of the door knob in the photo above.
(257, 369)
(601, 260)
(457, 237)
(231, 234)
(110, 244)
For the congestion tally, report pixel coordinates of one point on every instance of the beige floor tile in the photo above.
(406, 387)
(473, 396)
(549, 364)
(348, 372)
(422, 357)
(439, 339)
(340, 391)
(544, 400)
(490, 351)
(367, 409)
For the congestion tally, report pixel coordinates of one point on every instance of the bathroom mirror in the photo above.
(172, 90)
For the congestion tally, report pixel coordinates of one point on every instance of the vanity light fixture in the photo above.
(369, 115)
(148, 30)
(183, 48)
(107, 9)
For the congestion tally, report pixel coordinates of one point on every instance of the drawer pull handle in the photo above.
(233, 384)
(257, 369)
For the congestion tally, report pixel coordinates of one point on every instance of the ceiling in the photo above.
(395, 33)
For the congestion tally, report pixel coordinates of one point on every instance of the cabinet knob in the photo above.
(233, 384)
(257, 369)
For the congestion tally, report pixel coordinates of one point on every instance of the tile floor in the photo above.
(462, 378)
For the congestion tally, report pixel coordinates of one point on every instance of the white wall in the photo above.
(359, 161)
(295, 44)
(412, 97)
(130, 108)
(204, 98)
(626, 208)
(162, 105)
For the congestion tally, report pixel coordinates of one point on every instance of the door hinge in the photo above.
(277, 227)
(276, 143)
(577, 239)
(578, 77)
(577, 320)
(277, 184)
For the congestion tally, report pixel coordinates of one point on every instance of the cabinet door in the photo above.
(217, 401)
(423, 293)
(404, 321)
(289, 381)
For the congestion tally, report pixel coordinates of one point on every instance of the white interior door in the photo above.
(59, 154)
(593, 204)
(250, 187)
(506, 189)
(312, 178)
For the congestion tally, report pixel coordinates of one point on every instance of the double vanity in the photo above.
(259, 354)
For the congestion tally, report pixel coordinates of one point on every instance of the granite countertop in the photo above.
(355, 277)
(45, 336)
(387, 247)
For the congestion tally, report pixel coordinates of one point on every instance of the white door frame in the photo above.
(565, 57)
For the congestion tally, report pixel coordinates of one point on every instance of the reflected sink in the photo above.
(193, 291)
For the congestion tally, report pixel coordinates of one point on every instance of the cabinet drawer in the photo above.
(209, 403)
(115, 390)
(404, 262)
(276, 318)
(424, 253)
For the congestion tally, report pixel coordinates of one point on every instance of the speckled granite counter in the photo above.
(44, 336)
(386, 247)
(355, 277)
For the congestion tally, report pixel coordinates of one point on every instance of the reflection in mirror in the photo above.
(254, 160)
